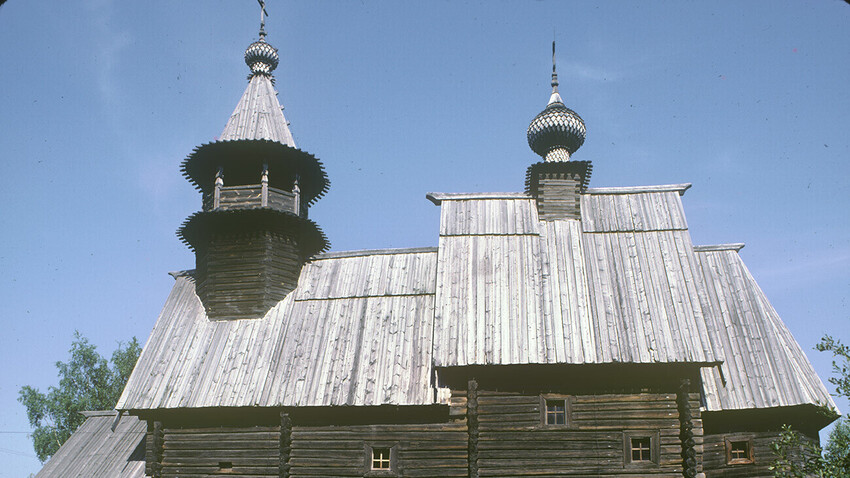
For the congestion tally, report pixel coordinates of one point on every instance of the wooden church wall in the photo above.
(514, 441)
(717, 457)
(426, 450)
(483, 432)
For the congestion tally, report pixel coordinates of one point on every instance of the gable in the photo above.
(621, 285)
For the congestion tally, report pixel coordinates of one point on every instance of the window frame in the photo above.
(544, 411)
(369, 449)
(654, 437)
(748, 439)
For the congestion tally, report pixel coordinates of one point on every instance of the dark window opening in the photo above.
(641, 449)
(739, 451)
(381, 459)
(225, 465)
(556, 412)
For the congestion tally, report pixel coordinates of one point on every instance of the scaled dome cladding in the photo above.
(261, 57)
(556, 127)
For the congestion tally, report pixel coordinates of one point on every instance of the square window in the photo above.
(556, 412)
(641, 449)
(381, 459)
(739, 450)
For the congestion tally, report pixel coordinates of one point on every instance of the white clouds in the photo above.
(591, 72)
(110, 43)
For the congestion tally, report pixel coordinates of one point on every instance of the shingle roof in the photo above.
(623, 285)
(764, 366)
(258, 115)
(96, 451)
(357, 331)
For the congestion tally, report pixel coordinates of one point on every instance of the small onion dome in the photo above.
(557, 132)
(261, 57)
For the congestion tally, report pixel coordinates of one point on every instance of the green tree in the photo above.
(86, 382)
(797, 456)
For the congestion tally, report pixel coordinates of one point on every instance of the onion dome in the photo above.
(557, 132)
(261, 57)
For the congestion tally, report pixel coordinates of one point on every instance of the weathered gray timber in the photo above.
(624, 284)
(423, 450)
(559, 197)
(95, 450)
(716, 458)
(513, 442)
(557, 187)
(241, 197)
(690, 454)
(472, 427)
(285, 444)
(764, 366)
(242, 276)
(621, 285)
(207, 451)
(341, 338)
(258, 115)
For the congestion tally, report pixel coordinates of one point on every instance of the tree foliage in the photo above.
(798, 456)
(86, 382)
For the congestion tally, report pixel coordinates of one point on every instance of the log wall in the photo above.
(427, 450)
(483, 433)
(197, 452)
(242, 276)
(559, 196)
(513, 441)
(714, 455)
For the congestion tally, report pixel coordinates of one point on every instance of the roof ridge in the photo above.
(732, 246)
(661, 188)
(437, 198)
(373, 252)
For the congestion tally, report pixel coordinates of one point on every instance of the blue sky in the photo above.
(101, 100)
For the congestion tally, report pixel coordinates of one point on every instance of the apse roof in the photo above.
(96, 450)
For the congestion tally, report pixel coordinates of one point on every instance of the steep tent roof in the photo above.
(258, 115)
(97, 451)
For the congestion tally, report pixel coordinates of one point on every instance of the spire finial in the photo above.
(260, 56)
(263, 15)
(557, 132)
(554, 70)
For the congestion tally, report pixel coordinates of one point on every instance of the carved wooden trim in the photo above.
(264, 182)
(219, 183)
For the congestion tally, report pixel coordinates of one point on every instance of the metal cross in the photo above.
(554, 71)
(263, 15)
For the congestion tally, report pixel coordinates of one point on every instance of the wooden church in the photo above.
(564, 330)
